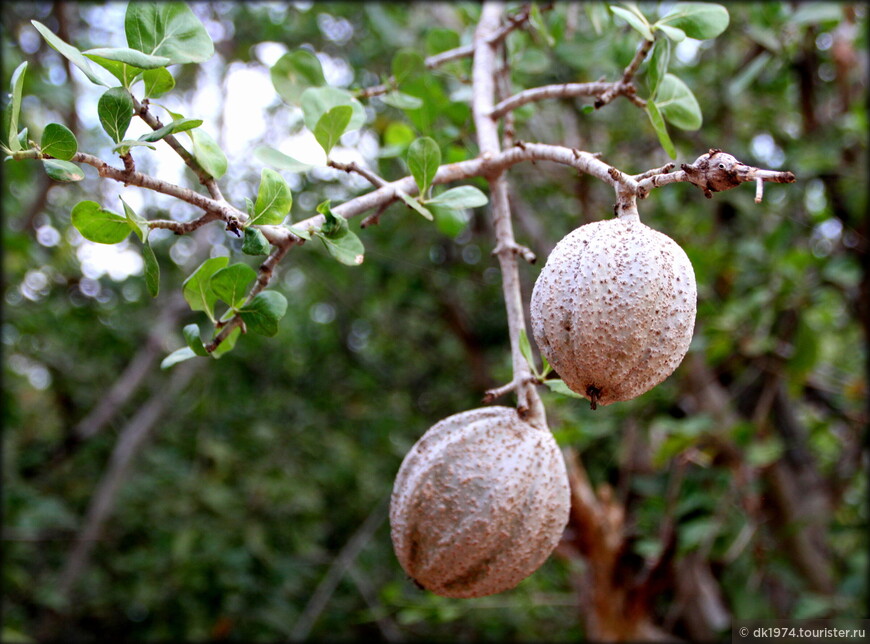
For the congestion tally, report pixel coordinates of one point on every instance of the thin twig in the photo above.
(625, 87)
(365, 173)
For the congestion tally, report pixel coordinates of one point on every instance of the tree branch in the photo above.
(625, 87)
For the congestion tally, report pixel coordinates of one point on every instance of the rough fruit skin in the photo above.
(479, 503)
(613, 310)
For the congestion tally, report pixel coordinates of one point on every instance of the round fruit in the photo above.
(479, 503)
(613, 310)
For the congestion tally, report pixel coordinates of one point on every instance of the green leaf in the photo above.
(424, 158)
(677, 35)
(181, 125)
(115, 109)
(402, 101)
(69, 52)
(406, 64)
(272, 157)
(333, 225)
(152, 270)
(346, 248)
(124, 146)
(137, 223)
(809, 13)
(22, 139)
(274, 199)
(262, 314)
(167, 29)
(461, 197)
(658, 65)
(157, 82)
(295, 72)
(639, 24)
(179, 355)
(415, 205)
(439, 39)
(677, 104)
(317, 101)
(587, 109)
(699, 20)
(208, 154)
(254, 242)
(537, 21)
(231, 284)
(228, 343)
(448, 221)
(128, 56)
(299, 232)
(196, 289)
(58, 141)
(332, 125)
(526, 351)
(13, 109)
(126, 74)
(658, 123)
(193, 339)
(62, 170)
(559, 387)
(99, 225)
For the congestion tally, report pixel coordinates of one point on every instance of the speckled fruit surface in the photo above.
(613, 310)
(479, 503)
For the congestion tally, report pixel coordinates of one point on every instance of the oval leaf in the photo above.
(196, 289)
(231, 284)
(658, 65)
(677, 35)
(406, 64)
(274, 199)
(699, 20)
(180, 125)
(274, 158)
(99, 225)
(167, 29)
(638, 24)
(402, 101)
(115, 109)
(317, 101)
(13, 109)
(346, 248)
(208, 153)
(152, 270)
(332, 125)
(129, 56)
(69, 52)
(678, 104)
(157, 82)
(262, 314)
(415, 205)
(58, 141)
(461, 197)
(126, 74)
(295, 72)
(62, 170)
(424, 158)
(179, 355)
(193, 339)
(138, 224)
(254, 242)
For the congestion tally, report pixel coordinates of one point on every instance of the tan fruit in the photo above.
(613, 310)
(479, 503)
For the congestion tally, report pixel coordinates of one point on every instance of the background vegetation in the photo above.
(245, 498)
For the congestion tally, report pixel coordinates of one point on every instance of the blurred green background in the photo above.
(245, 498)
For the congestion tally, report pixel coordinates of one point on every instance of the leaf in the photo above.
(196, 289)
(658, 123)
(640, 25)
(62, 170)
(317, 101)
(228, 343)
(347, 248)
(13, 109)
(295, 72)
(124, 146)
(128, 56)
(262, 314)
(559, 387)
(126, 74)
(69, 52)
(152, 270)
(254, 242)
(597, 15)
(272, 157)
(137, 223)
(167, 29)
(332, 125)
(299, 232)
(22, 139)
(402, 101)
(208, 154)
(701, 20)
(537, 21)
(179, 355)
(115, 109)
(415, 205)
(157, 82)
(440, 39)
(231, 284)
(424, 158)
(274, 199)
(448, 221)
(99, 225)
(461, 197)
(526, 351)
(193, 339)
(677, 35)
(809, 13)
(180, 125)
(677, 104)
(658, 65)
(58, 141)
(406, 64)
